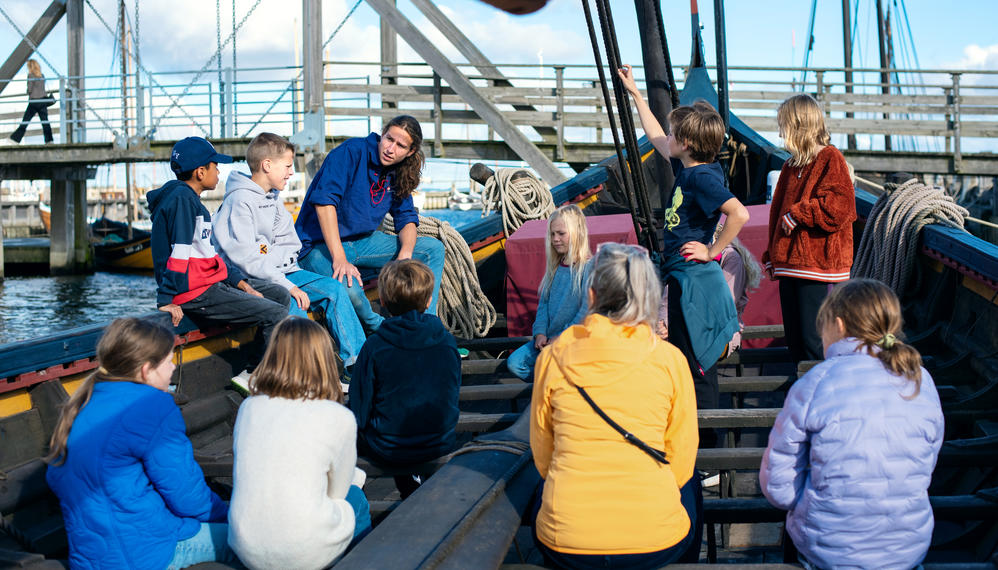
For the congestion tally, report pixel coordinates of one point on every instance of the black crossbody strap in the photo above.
(630, 437)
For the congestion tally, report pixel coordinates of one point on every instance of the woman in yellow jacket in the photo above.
(607, 501)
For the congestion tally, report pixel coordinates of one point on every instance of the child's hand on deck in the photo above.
(694, 251)
(627, 77)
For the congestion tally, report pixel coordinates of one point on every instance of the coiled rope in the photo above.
(520, 199)
(462, 306)
(889, 244)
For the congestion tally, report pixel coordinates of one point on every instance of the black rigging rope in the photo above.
(627, 125)
(628, 188)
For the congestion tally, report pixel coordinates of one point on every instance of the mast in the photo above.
(885, 76)
(722, 66)
(661, 85)
(697, 58)
(123, 43)
(847, 62)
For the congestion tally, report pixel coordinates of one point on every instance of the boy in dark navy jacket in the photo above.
(407, 377)
(192, 279)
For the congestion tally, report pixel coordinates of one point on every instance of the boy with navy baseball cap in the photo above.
(192, 279)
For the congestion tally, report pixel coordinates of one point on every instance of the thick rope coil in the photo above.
(889, 244)
(462, 306)
(519, 200)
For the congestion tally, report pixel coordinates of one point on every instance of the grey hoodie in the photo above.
(255, 232)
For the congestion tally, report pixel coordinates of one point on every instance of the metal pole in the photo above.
(847, 60)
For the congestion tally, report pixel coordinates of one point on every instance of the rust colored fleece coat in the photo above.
(810, 220)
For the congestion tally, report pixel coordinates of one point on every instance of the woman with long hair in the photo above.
(38, 104)
(607, 500)
(360, 182)
(296, 500)
(132, 495)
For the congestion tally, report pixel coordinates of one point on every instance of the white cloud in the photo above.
(978, 57)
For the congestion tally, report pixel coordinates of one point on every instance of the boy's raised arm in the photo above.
(653, 130)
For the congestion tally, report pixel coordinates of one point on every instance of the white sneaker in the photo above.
(712, 481)
(241, 382)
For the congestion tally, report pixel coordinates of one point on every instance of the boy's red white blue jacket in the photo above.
(184, 258)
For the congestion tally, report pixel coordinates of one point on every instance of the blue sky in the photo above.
(181, 34)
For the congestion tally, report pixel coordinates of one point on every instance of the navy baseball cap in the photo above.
(193, 152)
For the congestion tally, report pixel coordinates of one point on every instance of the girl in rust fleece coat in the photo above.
(810, 223)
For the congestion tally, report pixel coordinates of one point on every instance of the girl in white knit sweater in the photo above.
(297, 500)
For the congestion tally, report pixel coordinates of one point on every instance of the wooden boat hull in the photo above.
(113, 249)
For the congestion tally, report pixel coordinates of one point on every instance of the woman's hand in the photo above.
(346, 272)
(626, 74)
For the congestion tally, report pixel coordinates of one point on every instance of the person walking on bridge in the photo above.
(38, 104)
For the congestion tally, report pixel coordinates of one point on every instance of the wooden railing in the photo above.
(935, 109)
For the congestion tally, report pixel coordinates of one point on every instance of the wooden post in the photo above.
(389, 61)
(1, 242)
(76, 111)
(949, 117)
(438, 119)
(957, 156)
(559, 75)
(599, 113)
(62, 243)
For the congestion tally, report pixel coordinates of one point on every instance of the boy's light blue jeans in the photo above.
(331, 296)
(374, 251)
(210, 544)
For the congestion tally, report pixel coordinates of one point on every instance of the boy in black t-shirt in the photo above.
(701, 315)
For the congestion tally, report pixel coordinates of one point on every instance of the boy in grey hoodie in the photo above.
(255, 232)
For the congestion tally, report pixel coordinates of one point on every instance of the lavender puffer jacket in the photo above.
(851, 461)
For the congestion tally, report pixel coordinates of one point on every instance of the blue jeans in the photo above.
(374, 251)
(331, 296)
(521, 361)
(210, 544)
(361, 512)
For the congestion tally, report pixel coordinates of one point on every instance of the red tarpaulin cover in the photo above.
(763, 307)
(525, 269)
(525, 263)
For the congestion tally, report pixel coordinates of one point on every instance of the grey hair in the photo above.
(625, 285)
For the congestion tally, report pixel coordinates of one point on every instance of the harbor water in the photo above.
(31, 307)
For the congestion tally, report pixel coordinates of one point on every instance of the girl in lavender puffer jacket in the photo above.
(853, 450)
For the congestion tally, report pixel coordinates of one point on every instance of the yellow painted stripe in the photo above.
(488, 250)
(14, 403)
(980, 288)
(211, 346)
(71, 386)
(645, 156)
(588, 201)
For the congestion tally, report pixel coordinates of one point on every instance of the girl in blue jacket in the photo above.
(562, 293)
(853, 449)
(132, 495)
